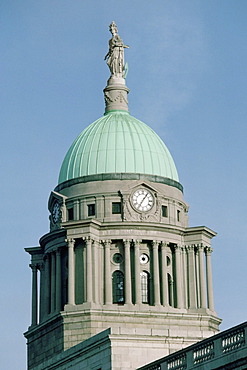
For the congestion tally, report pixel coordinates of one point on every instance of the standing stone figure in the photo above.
(115, 55)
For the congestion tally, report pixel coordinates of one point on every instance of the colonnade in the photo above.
(184, 282)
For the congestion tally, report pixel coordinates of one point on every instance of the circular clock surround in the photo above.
(142, 200)
(56, 212)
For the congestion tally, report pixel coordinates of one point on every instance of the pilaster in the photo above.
(137, 272)
(127, 268)
(178, 277)
(107, 280)
(71, 271)
(208, 252)
(156, 276)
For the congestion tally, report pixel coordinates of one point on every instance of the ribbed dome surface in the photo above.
(117, 143)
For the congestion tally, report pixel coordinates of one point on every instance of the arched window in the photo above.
(145, 286)
(118, 287)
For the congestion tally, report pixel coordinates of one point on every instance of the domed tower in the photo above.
(119, 253)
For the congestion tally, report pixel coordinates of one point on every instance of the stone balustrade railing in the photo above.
(225, 348)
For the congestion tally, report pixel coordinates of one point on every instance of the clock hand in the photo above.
(143, 199)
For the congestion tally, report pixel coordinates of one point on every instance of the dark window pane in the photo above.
(178, 215)
(91, 209)
(116, 207)
(164, 211)
(70, 214)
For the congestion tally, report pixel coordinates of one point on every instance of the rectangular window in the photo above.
(91, 209)
(116, 208)
(164, 211)
(70, 214)
(178, 215)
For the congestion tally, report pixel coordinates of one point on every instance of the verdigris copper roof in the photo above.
(117, 143)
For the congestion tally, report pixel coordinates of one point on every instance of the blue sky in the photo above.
(187, 76)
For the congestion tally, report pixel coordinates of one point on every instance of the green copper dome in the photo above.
(117, 143)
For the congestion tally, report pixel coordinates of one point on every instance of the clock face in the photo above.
(56, 212)
(142, 200)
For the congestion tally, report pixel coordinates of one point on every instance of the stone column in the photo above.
(71, 271)
(192, 276)
(95, 270)
(58, 281)
(138, 299)
(108, 280)
(178, 277)
(47, 284)
(202, 284)
(53, 281)
(127, 278)
(156, 274)
(185, 276)
(208, 252)
(42, 288)
(89, 284)
(34, 294)
(165, 297)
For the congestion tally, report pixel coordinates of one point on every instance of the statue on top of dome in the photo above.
(115, 55)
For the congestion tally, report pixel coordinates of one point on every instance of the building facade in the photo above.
(120, 262)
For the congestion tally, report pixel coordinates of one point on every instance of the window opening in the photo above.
(145, 286)
(116, 208)
(118, 287)
(178, 215)
(91, 209)
(71, 214)
(164, 211)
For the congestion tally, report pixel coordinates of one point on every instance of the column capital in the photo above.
(208, 250)
(200, 247)
(106, 242)
(127, 242)
(177, 247)
(155, 243)
(164, 244)
(95, 242)
(136, 241)
(34, 266)
(190, 247)
(86, 238)
(70, 242)
(58, 250)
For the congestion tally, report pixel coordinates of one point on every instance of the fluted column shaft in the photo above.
(178, 278)
(34, 294)
(71, 271)
(108, 280)
(89, 269)
(165, 297)
(58, 281)
(156, 273)
(192, 276)
(127, 279)
(208, 252)
(202, 284)
(138, 299)
(53, 281)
